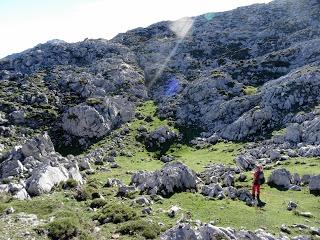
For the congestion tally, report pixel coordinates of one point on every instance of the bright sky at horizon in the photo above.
(24, 24)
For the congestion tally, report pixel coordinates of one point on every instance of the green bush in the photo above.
(83, 194)
(116, 213)
(250, 90)
(5, 181)
(64, 228)
(147, 229)
(94, 101)
(98, 203)
(70, 183)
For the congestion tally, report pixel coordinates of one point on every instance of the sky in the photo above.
(25, 23)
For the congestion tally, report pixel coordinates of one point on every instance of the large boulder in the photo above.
(280, 178)
(314, 185)
(158, 140)
(179, 232)
(38, 146)
(173, 177)
(246, 162)
(45, 178)
(97, 117)
(184, 231)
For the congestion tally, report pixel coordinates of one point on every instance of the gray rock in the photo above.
(84, 164)
(315, 231)
(212, 190)
(246, 162)
(125, 191)
(172, 212)
(291, 206)
(96, 121)
(173, 177)
(166, 159)
(294, 188)
(18, 116)
(142, 201)
(45, 178)
(179, 232)
(285, 229)
(275, 155)
(242, 177)
(185, 231)
(4, 188)
(305, 179)
(228, 180)
(9, 210)
(314, 185)
(38, 146)
(147, 211)
(21, 194)
(306, 214)
(11, 167)
(111, 182)
(159, 139)
(280, 178)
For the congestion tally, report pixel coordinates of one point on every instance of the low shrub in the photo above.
(116, 213)
(98, 203)
(63, 229)
(83, 194)
(147, 229)
(70, 183)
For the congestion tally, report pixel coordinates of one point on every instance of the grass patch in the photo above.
(197, 159)
(147, 229)
(250, 90)
(116, 213)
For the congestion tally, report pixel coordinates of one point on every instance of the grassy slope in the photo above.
(224, 212)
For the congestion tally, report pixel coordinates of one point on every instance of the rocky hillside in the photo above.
(139, 133)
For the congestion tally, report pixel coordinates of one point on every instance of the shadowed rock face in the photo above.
(238, 74)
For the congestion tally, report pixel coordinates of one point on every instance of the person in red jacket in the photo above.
(258, 180)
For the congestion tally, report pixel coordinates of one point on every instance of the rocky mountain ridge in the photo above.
(69, 112)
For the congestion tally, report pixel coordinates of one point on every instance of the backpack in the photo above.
(261, 179)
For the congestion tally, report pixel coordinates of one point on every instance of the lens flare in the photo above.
(172, 87)
(209, 16)
(182, 28)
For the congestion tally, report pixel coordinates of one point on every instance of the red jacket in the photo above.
(256, 176)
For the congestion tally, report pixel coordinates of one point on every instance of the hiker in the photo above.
(258, 180)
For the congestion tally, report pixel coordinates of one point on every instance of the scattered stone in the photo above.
(172, 212)
(147, 211)
(9, 210)
(315, 231)
(111, 182)
(84, 164)
(114, 165)
(166, 159)
(126, 191)
(285, 229)
(314, 185)
(306, 214)
(142, 201)
(291, 205)
(242, 177)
